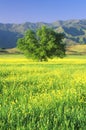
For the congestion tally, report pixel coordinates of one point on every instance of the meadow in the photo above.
(42, 95)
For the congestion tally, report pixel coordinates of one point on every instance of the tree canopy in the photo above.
(43, 44)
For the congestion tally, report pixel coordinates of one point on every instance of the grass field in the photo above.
(42, 96)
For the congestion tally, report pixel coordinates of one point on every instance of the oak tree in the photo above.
(43, 44)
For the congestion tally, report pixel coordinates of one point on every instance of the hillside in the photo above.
(76, 50)
(74, 30)
(70, 50)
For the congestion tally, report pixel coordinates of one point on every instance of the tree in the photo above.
(43, 44)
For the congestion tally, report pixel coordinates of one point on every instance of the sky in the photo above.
(21, 11)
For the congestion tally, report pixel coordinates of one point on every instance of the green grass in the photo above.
(42, 96)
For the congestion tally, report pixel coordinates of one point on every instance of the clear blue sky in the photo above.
(20, 11)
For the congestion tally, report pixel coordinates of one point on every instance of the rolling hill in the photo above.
(74, 30)
(78, 49)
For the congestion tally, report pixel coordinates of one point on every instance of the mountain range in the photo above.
(74, 30)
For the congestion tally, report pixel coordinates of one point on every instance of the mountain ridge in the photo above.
(74, 30)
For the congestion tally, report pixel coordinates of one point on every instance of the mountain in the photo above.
(74, 30)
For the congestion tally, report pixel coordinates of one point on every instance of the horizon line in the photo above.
(40, 21)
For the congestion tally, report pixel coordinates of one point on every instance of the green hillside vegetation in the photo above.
(74, 30)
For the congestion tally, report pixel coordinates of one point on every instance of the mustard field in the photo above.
(42, 95)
